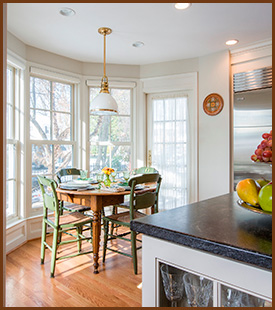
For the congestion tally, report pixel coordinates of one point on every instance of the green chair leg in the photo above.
(134, 250)
(43, 239)
(79, 231)
(106, 227)
(61, 213)
(113, 225)
(54, 250)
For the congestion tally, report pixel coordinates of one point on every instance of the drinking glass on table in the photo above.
(126, 175)
(113, 175)
(83, 174)
(99, 178)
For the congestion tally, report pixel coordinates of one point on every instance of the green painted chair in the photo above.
(64, 175)
(143, 170)
(59, 223)
(138, 201)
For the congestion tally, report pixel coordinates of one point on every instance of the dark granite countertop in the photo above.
(217, 225)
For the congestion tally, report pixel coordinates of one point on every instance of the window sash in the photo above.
(109, 142)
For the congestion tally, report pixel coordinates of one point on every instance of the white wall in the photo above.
(214, 131)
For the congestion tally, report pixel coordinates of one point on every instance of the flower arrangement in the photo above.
(107, 170)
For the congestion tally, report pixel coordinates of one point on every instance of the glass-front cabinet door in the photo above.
(181, 288)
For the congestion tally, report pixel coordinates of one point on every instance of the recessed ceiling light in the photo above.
(67, 12)
(182, 6)
(231, 42)
(138, 44)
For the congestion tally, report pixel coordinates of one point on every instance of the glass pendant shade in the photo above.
(104, 104)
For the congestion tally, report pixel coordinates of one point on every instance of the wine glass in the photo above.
(173, 283)
(198, 290)
(113, 175)
(126, 176)
(83, 174)
(233, 298)
(99, 178)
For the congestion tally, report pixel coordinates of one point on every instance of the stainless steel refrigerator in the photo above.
(252, 117)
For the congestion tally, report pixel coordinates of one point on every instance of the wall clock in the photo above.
(213, 104)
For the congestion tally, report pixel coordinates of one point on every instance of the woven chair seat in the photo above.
(125, 216)
(75, 207)
(71, 218)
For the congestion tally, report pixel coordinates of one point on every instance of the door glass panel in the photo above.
(179, 288)
(231, 297)
(167, 123)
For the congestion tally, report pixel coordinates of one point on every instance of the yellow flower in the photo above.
(108, 170)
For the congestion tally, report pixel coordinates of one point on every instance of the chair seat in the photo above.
(124, 216)
(125, 205)
(75, 207)
(72, 218)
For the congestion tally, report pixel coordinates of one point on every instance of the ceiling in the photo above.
(168, 34)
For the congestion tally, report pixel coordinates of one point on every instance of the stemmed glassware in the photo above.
(113, 175)
(126, 175)
(198, 290)
(99, 178)
(172, 279)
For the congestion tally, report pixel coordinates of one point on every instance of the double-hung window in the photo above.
(51, 129)
(111, 136)
(12, 174)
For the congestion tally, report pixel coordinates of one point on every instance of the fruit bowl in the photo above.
(252, 208)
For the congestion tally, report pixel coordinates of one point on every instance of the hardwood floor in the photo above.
(28, 284)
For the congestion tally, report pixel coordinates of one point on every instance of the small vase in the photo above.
(107, 181)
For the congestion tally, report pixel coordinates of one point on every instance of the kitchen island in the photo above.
(215, 238)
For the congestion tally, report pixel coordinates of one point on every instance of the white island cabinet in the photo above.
(213, 253)
(233, 283)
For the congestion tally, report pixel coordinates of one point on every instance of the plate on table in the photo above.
(76, 186)
(252, 208)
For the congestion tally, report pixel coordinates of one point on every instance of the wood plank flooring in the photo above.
(28, 284)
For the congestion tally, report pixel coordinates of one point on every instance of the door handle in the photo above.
(149, 158)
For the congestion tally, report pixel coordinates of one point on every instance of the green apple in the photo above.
(265, 197)
(262, 182)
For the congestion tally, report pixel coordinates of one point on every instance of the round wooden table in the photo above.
(96, 200)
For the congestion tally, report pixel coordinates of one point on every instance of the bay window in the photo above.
(51, 129)
(12, 142)
(111, 136)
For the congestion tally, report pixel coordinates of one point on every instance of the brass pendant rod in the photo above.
(104, 55)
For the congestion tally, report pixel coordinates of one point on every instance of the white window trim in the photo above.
(18, 65)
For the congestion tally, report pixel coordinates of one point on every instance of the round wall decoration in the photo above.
(213, 104)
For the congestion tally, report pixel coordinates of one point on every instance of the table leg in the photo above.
(96, 237)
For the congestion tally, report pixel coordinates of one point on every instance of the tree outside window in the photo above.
(111, 136)
(51, 130)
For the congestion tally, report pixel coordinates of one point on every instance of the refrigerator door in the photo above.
(252, 118)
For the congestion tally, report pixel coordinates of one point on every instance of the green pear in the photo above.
(262, 182)
(265, 197)
(248, 191)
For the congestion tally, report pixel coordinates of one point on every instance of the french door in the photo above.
(168, 146)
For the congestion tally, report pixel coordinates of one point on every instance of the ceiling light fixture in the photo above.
(182, 6)
(104, 103)
(138, 44)
(67, 12)
(231, 42)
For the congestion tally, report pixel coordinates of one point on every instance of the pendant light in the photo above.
(104, 103)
